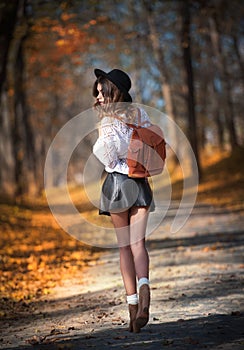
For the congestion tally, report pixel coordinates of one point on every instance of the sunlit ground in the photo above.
(36, 255)
(223, 180)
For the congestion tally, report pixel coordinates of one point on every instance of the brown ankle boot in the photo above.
(142, 316)
(133, 312)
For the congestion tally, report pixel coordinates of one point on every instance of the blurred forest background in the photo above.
(185, 58)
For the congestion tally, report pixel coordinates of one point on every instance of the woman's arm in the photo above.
(105, 148)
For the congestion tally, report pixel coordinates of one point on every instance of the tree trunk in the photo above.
(239, 57)
(164, 76)
(22, 135)
(203, 112)
(8, 18)
(25, 168)
(217, 111)
(225, 82)
(190, 96)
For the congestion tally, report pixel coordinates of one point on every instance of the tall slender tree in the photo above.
(189, 76)
(225, 80)
(8, 18)
(154, 36)
(22, 133)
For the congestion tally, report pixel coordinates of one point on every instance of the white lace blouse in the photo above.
(112, 145)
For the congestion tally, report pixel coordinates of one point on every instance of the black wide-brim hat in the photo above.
(118, 78)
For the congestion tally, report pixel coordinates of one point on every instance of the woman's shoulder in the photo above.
(106, 120)
(135, 116)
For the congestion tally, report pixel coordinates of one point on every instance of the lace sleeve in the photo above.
(105, 148)
(112, 145)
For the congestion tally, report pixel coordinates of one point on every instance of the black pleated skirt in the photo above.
(120, 193)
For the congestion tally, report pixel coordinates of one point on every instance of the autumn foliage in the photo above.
(36, 255)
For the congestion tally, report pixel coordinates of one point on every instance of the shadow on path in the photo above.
(212, 332)
(230, 239)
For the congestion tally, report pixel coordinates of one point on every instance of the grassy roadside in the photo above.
(222, 182)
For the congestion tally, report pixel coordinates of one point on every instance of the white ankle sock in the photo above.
(142, 281)
(132, 299)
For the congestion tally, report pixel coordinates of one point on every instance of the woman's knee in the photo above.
(126, 249)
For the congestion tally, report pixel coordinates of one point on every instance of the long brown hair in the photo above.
(113, 100)
(110, 91)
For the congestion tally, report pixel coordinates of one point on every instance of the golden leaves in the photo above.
(35, 254)
(67, 16)
(60, 42)
(52, 43)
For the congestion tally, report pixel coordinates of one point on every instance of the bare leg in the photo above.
(138, 222)
(127, 267)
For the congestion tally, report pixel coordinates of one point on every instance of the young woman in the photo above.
(127, 200)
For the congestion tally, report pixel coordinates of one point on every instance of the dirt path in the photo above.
(197, 295)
